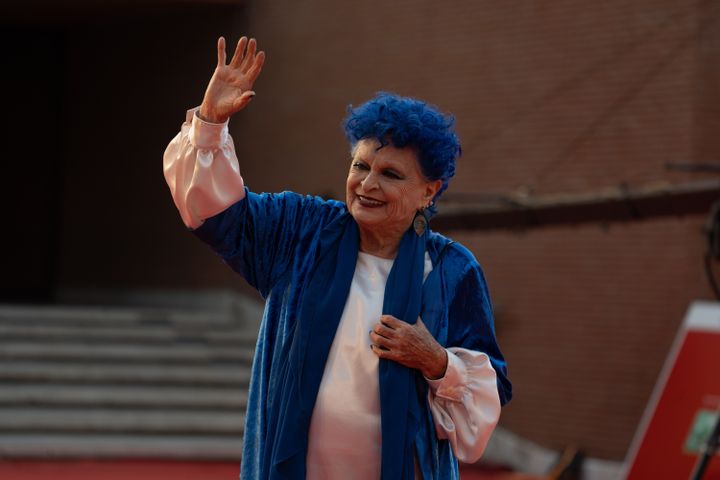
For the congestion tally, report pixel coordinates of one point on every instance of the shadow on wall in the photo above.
(94, 96)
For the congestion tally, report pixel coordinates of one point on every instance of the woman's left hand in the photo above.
(409, 345)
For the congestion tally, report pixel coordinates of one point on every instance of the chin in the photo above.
(365, 218)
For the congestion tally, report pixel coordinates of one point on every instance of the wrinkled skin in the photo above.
(230, 88)
(409, 345)
(384, 190)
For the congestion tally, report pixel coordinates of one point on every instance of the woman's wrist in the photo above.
(438, 366)
(206, 115)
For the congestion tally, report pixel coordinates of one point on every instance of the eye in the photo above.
(359, 166)
(392, 174)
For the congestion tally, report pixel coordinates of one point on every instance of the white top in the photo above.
(202, 172)
(344, 439)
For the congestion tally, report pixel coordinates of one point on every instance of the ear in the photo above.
(431, 189)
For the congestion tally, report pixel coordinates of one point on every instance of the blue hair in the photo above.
(407, 122)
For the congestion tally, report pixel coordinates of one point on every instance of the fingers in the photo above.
(380, 341)
(244, 56)
(239, 52)
(242, 102)
(381, 338)
(384, 339)
(392, 339)
(383, 330)
(380, 351)
(392, 322)
(421, 325)
(249, 57)
(256, 67)
(221, 51)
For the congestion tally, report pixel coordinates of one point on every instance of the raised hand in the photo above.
(230, 88)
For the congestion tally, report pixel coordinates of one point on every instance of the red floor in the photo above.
(140, 470)
(118, 470)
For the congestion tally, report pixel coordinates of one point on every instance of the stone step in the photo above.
(116, 420)
(84, 373)
(107, 334)
(108, 396)
(128, 353)
(88, 316)
(119, 382)
(82, 446)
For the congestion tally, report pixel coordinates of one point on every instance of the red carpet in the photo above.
(118, 470)
(140, 470)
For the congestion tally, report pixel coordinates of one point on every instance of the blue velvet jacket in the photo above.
(272, 240)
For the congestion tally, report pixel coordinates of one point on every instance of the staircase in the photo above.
(124, 382)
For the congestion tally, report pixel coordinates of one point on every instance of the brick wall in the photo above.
(549, 97)
(560, 96)
(586, 316)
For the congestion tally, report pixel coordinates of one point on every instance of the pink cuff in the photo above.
(452, 385)
(205, 134)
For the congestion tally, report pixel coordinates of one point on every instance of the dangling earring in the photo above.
(420, 222)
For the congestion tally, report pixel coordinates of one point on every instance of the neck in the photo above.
(380, 244)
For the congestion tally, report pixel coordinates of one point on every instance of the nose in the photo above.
(370, 182)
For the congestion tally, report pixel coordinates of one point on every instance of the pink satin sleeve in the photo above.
(202, 170)
(465, 403)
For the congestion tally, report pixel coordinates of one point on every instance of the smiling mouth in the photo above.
(369, 202)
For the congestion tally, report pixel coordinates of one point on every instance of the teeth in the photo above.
(369, 201)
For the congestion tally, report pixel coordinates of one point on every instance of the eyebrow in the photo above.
(359, 158)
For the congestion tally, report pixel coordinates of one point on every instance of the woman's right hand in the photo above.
(230, 88)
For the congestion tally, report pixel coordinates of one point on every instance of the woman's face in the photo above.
(385, 187)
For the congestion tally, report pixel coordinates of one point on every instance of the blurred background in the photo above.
(591, 154)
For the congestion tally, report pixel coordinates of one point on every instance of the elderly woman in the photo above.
(376, 356)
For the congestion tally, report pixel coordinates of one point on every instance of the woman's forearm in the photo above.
(200, 165)
(202, 171)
